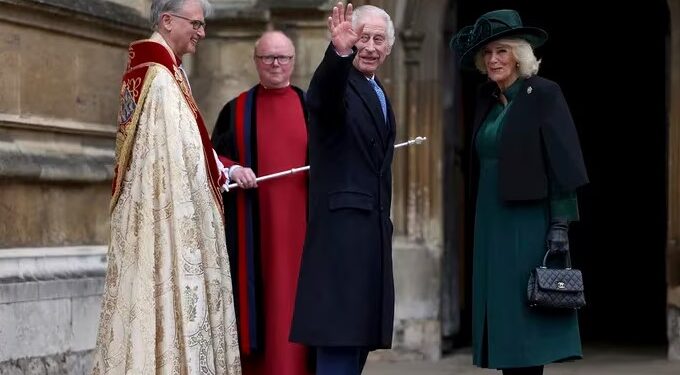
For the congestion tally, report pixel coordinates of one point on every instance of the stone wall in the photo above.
(141, 6)
(58, 107)
(72, 363)
(50, 301)
(62, 61)
(673, 327)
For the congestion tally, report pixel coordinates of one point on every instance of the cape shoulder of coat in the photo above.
(538, 136)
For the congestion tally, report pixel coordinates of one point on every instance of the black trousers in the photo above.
(536, 370)
(340, 360)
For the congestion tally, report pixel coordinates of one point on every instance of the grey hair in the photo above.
(364, 10)
(522, 51)
(159, 7)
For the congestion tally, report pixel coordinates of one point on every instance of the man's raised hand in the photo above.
(343, 36)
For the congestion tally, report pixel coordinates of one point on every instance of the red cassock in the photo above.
(281, 144)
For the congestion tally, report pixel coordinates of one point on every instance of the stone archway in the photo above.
(660, 224)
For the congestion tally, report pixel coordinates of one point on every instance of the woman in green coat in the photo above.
(526, 167)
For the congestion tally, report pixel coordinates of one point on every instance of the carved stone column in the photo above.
(416, 267)
(416, 182)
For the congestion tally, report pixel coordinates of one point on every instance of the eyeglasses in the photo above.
(283, 60)
(196, 24)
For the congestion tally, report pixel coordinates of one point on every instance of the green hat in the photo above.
(492, 26)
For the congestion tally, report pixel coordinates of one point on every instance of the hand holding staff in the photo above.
(415, 141)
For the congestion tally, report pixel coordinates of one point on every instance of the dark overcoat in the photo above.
(345, 293)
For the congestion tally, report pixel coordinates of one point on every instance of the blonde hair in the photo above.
(527, 64)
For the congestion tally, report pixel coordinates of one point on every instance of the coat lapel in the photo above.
(518, 105)
(359, 82)
(391, 134)
(486, 100)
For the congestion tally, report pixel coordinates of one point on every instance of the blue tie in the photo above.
(381, 97)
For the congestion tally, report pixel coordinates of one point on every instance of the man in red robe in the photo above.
(263, 131)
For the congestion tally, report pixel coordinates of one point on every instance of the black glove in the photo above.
(558, 236)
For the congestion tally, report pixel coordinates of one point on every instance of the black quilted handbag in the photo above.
(556, 288)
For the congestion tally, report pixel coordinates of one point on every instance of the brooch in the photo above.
(529, 90)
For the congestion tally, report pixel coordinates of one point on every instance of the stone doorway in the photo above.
(617, 92)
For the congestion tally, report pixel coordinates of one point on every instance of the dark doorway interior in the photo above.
(611, 63)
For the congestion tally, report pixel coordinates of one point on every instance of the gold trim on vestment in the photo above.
(124, 142)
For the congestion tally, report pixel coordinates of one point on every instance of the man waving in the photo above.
(345, 296)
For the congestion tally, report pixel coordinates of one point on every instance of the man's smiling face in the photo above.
(182, 37)
(372, 47)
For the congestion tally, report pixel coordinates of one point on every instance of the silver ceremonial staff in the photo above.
(415, 141)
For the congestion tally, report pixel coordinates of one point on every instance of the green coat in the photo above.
(509, 241)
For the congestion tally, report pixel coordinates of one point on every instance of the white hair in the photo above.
(159, 7)
(527, 64)
(365, 10)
